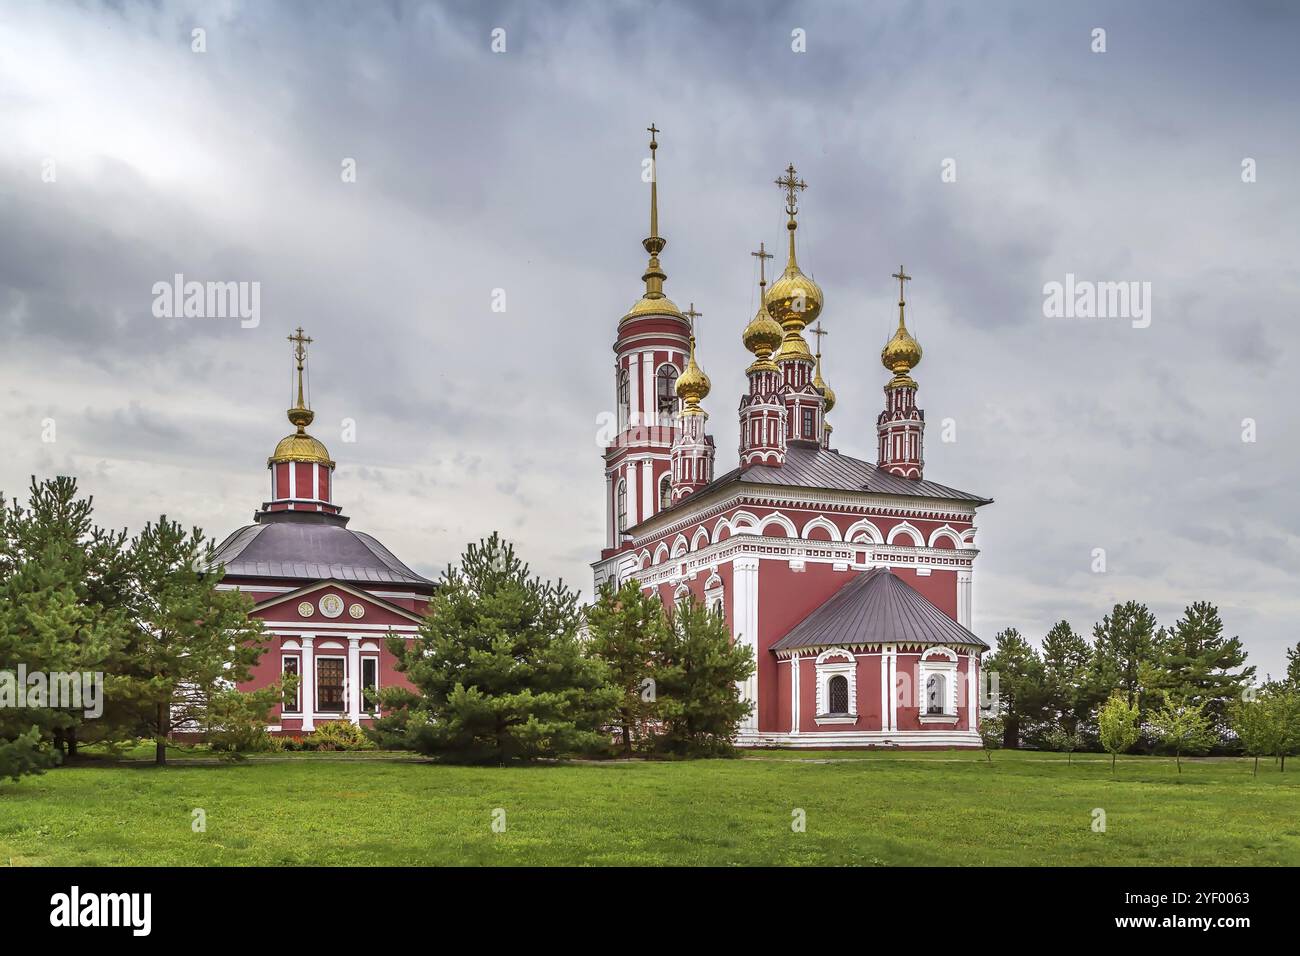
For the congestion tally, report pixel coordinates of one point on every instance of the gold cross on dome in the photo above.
(691, 316)
(819, 333)
(902, 277)
(652, 130)
(761, 255)
(790, 184)
(300, 343)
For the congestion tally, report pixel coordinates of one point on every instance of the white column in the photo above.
(972, 691)
(354, 679)
(308, 684)
(794, 693)
(648, 395)
(611, 533)
(634, 389)
(964, 598)
(648, 488)
(744, 614)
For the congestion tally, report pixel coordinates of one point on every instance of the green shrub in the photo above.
(337, 735)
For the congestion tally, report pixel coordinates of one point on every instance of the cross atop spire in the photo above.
(790, 184)
(819, 332)
(652, 130)
(691, 316)
(300, 414)
(902, 277)
(761, 255)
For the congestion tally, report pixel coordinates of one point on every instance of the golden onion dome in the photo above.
(763, 334)
(794, 299)
(901, 354)
(819, 383)
(692, 385)
(301, 447)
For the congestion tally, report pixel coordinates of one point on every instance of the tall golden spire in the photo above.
(794, 300)
(300, 446)
(902, 353)
(653, 301)
(654, 243)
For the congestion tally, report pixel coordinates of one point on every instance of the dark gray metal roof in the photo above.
(811, 466)
(876, 607)
(312, 550)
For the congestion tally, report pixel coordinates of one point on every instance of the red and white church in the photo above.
(328, 596)
(851, 581)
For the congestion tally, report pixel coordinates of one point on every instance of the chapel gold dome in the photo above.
(794, 298)
(652, 306)
(763, 334)
(693, 385)
(301, 447)
(902, 353)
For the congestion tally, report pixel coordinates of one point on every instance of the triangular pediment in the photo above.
(312, 594)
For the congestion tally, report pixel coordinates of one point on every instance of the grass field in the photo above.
(870, 808)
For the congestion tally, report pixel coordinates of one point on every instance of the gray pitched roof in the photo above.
(876, 607)
(312, 550)
(811, 466)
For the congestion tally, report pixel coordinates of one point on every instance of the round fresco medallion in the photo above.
(305, 609)
(357, 611)
(331, 605)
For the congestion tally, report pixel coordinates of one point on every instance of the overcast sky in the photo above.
(520, 170)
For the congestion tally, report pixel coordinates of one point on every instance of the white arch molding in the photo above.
(947, 531)
(821, 522)
(864, 527)
(904, 527)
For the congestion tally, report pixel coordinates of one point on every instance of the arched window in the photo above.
(621, 506)
(936, 694)
(838, 691)
(666, 393)
(665, 492)
(624, 399)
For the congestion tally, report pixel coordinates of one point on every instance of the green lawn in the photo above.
(861, 808)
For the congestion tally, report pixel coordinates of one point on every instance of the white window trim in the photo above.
(947, 666)
(361, 674)
(297, 711)
(830, 664)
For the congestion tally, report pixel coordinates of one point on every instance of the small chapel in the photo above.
(851, 580)
(328, 595)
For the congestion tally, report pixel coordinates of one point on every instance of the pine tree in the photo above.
(1021, 690)
(626, 625)
(1066, 674)
(1123, 642)
(1292, 678)
(63, 587)
(1196, 663)
(189, 641)
(499, 669)
(697, 670)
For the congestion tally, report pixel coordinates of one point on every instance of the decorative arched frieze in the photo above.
(946, 533)
(661, 554)
(680, 546)
(906, 528)
(864, 529)
(720, 527)
(823, 523)
(781, 521)
(742, 522)
(700, 539)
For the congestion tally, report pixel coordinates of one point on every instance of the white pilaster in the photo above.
(648, 396)
(972, 691)
(893, 687)
(884, 689)
(354, 679)
(745, 628)
(794, 693)
(964, 598)
(634, 389)
(648, 489)
(610, 516)
(308, 677)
